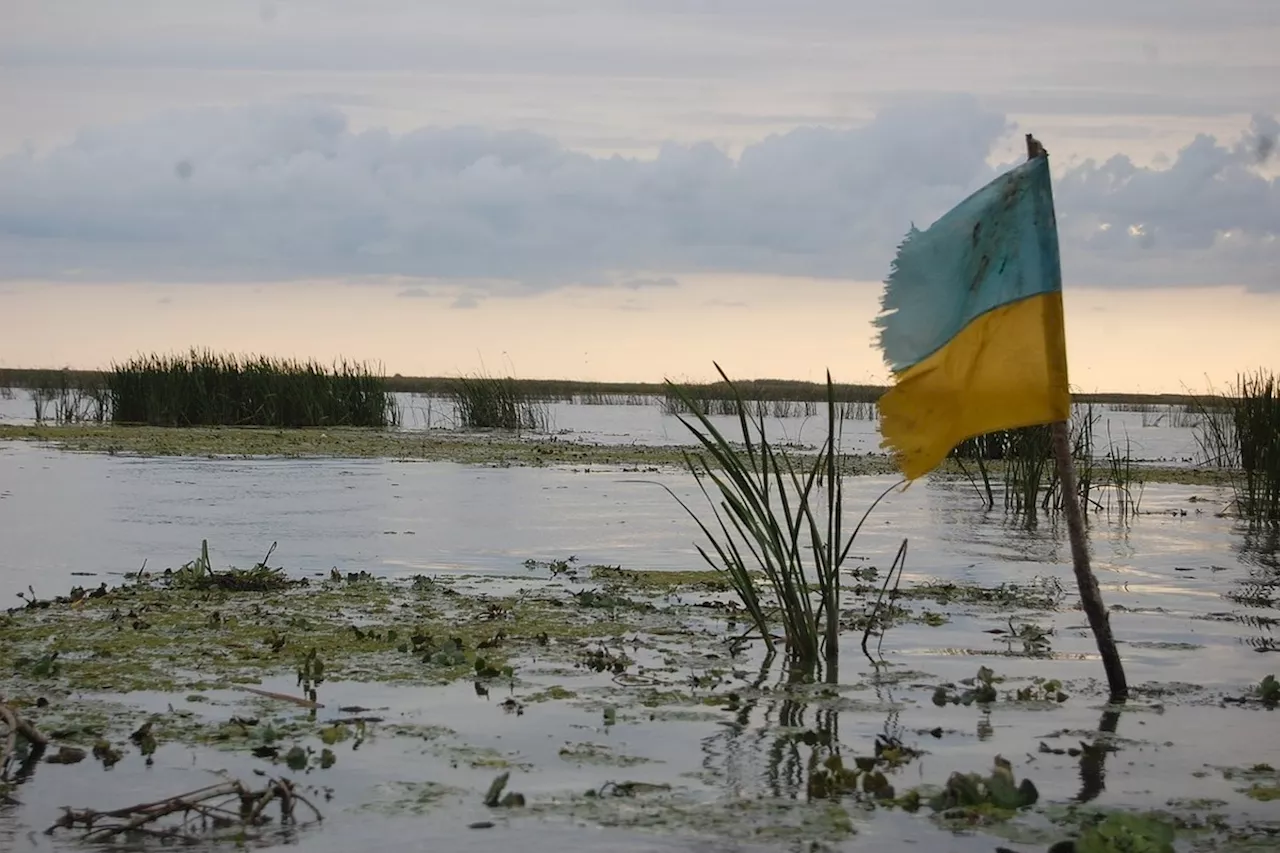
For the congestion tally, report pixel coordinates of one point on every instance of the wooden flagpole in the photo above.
(1090, 595)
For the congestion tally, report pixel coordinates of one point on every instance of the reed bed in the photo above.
(209, 389)
(598, 398)
(1029, 483)
(63, 398)
(1257, 429)
(497, 402)
(707, 402)
(1241, 433)
(769, 397)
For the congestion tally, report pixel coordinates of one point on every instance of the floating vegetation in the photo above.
(970, 798)
(208, 389)
(1121, 832)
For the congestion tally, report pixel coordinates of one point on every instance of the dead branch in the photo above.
(17, 726)
(284, 697)
(210, 805)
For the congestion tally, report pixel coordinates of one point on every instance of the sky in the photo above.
(623, 189)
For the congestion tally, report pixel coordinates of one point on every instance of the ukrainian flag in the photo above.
(972, 323)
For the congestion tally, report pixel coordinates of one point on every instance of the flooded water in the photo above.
(1166, 434)
(1193, 596)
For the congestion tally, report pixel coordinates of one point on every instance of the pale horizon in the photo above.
(795, 329)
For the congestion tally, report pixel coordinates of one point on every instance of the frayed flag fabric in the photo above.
(972, 323)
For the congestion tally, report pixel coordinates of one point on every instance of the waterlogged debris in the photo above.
(628, 789)
(283, 697)
(494, 798)
(229, 809)
(980, 689)
(67, 755)
(595, 753)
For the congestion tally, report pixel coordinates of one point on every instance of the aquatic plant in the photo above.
(59, 396)
(208, 389)
(1030, 481)
(199, 574)
(1123, 478)
(1242, 432)
(1256, 411)
(773, 521)
(497, 402)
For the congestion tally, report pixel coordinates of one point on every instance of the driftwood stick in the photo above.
(1090, 595)
(284, 697)
(21, 726)
(17, 726)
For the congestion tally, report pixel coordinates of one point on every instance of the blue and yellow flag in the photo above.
(972, 324)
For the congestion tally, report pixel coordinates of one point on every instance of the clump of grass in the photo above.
(492, 402)
(774, 523)
(208, 389)
(1257, 429)
(1242, 432)
(200, 575)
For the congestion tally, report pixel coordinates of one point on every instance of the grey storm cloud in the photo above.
(289, 190)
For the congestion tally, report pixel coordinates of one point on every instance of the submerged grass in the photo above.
(204, 388)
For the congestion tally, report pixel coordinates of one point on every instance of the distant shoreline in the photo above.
(752, 389)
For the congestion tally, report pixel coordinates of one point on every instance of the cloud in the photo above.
(289, 190)
(642, 283)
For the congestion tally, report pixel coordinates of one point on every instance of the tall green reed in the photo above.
(781, 527)
(204, 388)
(493, 402)
(1257, 429)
